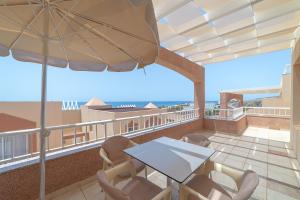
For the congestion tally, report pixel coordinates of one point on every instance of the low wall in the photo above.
(238, 126)
(226, 126)
(23, 183)
(269, 122)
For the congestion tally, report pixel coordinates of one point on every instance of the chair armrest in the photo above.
(209, 166)
(163, 195)
(206, 168)
(106, 160)
(113, 172)
(185, 191)
(236, 175)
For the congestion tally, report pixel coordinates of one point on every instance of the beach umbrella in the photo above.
(84, 35)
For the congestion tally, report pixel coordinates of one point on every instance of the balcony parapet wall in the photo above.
(23, 183)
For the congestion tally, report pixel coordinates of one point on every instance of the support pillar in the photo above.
(199, 96)
(295, 107)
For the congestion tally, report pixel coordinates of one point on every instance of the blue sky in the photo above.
(20, 81)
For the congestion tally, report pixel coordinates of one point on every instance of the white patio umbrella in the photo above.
(87, 35)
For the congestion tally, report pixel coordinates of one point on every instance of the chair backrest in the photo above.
(109, 189)
(114, 147)
(196, 138)
(247, 185)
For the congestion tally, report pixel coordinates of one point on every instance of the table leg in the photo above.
(175, 188)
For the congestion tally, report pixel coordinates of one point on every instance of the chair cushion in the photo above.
(110, 189)
(247, 185)
(114, 147)
(207, 188)
(139, 166)
(141, 189)
(197, 139)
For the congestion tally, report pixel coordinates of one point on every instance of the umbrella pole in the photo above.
(44, 133)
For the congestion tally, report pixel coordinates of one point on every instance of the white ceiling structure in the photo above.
(210, 31)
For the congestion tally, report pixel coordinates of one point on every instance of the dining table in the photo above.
(176, 159)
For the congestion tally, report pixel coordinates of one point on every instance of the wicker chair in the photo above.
(201, 187)
(112, 154)
(138, 188)
(197, 139)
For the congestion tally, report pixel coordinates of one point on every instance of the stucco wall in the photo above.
(284, 99)
(238, 126)
(226, 126)
(71, 116)
(11, 123)
(31, 111)
(295, 101)
(269, 122)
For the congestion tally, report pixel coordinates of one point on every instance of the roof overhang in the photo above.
(210, 31)
(264, 90)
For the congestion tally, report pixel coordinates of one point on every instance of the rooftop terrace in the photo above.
(265, 151)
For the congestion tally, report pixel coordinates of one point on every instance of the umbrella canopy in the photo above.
(86, 35)
(92, 35)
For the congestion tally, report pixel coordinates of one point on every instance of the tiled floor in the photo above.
(265, 151)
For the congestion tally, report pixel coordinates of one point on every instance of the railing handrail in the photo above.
(65, 126)
(235, 113)
(253, 107)
(248, 107)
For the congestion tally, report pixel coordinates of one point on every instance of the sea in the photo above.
(208, 104)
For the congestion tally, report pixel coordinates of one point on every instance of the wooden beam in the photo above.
(183, 66)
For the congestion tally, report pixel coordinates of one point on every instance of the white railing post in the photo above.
(105, 131)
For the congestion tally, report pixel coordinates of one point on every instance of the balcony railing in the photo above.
(22, 144)
(233, 114)
(224, 114)
(268, 111)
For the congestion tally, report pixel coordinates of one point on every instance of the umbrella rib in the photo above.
(62, 18)
(112, 27)
(25, 28)
(59, 36)
(95, 56)
(16, 21)
(18, 4)
(91, 30)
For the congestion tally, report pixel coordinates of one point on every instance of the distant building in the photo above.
(151, 105)
(23, 144)
(96, 110)
(234, 98)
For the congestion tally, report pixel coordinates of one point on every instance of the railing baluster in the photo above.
(105, 131)
(86, 137)
(13, 147)
(96, 131)
(2, 148)
(62, 138)
(75, 142)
